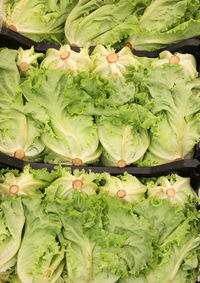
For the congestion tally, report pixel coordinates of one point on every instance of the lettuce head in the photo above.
(109, 64)
(39, 20)
(66, 183)
(67, 60)
(69, 139)
(187, 61)
(126, 187)
(20, 135)
(176, 103)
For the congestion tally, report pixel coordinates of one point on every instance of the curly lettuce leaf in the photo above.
(9, 76)
(40, 257)
(11, 225)
(82, 224)
(163, 216)
(160, 15)
(100, 96)
(138, 247)
(150, 41)
(180, 247)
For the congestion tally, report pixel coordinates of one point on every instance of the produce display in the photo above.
(99, 106)
(109, 108)
(144, 24)
(85, 227)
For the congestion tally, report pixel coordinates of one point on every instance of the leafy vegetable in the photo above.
(177, 103)
(27, 58)
(39, 20)
(9, 78)
(66, 183)
(122, 143)
(68, 139)
(93, 22)
(40, 255)
(95, 236)
(164, 23)
(11, 222)
(147, 25)
(187, 61)
(127, 187)
(176, 189)
(83, 258)
(108, 64)
(179, 248)
(164, 218)
(147, 114)
(67, 60)
(29, 182)
(20, 135)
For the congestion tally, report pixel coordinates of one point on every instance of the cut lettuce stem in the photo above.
(112, 58)
(77, 184)
(19, 154)
(174, 59)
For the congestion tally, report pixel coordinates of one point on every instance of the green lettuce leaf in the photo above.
(150, 41)
(11, 224)
(164, 23)
(100, 96)
(180, 247)
(98, 246)
(132, 279)
(40, 258)
(137, 249)
(161, 15)
(163, 216)
(10, 77)
(82, 257)
(82, 225)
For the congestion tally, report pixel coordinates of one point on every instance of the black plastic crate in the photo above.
(12, 39)
(185, 168)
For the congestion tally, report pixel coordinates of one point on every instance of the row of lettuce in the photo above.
(109, 108)
(85, 227)
(145, 24)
